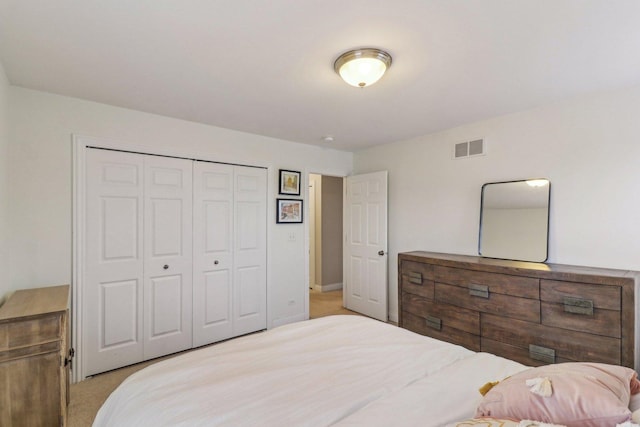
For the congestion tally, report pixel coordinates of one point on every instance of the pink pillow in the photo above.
(584, 395)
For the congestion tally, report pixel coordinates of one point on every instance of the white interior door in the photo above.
(213, 252)
(250, 250)
(112, 299)
(365, 255)
(168, 264)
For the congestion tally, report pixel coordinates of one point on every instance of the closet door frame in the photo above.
(79, 145)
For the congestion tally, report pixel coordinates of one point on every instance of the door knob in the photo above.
(380, 253)
(166, 266)
(216, 262)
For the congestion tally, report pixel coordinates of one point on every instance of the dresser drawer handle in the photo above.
(481, 291)
(543, 354)
(434, 323)
(578, 306)
(415, 277)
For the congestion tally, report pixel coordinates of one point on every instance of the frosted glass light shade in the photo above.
(362, 67)
(537, 182)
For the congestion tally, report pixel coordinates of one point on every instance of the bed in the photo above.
(332, 371)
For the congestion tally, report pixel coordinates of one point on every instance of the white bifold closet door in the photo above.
(175, 256)
(137, 295)
(168, 260)
(229, 265)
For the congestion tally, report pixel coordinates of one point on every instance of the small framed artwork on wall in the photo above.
(289, 211)
(289, 182)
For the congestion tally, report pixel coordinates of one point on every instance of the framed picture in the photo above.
(289, 211)
(289, 182)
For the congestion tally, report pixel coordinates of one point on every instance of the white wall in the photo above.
(589, 148)
(41, 195)
(4, 180)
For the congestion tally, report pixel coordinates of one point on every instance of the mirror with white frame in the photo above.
(514, 220)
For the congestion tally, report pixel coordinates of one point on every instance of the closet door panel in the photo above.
(168, 252)
(112, 302)
(119, 313)
(249, 274)
(213, 252)
(166, 297)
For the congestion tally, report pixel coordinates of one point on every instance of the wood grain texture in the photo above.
(450, 315)
(426, 270)
(33, 302)
(505, 305)
(603, 322)
(505, 284)
(526, 305)
(569, 345)
(606, 297)
(455, 336)
(34, 379)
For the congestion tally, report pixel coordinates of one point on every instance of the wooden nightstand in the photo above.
(34, 364)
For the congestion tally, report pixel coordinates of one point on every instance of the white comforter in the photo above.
(440, 399)
(345, 370)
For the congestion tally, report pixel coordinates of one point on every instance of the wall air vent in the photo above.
(469, 149)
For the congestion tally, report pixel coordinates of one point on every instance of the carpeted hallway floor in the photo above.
(87, 396)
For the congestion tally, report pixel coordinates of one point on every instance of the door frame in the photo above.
(306, 229)
(79, 144)
(312, 232)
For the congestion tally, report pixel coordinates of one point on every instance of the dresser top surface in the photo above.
(34, 302)
(536, 269)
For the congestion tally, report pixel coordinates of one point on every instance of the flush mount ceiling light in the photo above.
(537, 182)
(362, 67)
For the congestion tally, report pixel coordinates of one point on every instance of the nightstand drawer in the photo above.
(32, 331)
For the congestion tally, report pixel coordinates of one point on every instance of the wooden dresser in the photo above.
(34, 369)
(529, 312)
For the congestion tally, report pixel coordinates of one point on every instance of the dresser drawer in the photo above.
(417, 278)
(417, 270)
(513, 339)
(425, 289)
(419, 325)
(602, 296)
(582, 307)
(439, 316)
(494, 283)
(500, 304)
(601, 322)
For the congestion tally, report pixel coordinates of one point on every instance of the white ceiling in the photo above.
(266, 66)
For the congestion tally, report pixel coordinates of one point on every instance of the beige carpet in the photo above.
(87, 396)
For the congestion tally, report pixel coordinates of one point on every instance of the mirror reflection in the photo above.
(514, 220)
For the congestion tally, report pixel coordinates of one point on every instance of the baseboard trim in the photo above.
(329, 287)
